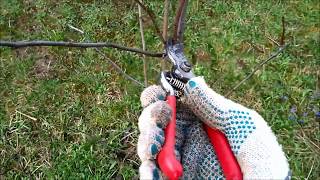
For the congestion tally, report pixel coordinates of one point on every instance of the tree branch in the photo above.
(165, 27)
(143, 46)
(165, 20)
(282, 46)
(113, 64)
(178, 22)
(153, 19)
(283, 32)
(20, 44)
(118, 69)
(257, 67)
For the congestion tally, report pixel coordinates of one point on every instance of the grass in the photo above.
(64, 113)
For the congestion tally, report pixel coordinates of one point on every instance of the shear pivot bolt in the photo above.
(185, 66)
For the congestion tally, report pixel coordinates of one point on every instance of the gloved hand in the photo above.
(251, 139)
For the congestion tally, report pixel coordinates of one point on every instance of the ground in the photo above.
(65, 113)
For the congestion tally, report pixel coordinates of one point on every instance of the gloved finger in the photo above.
(152, 94)
(157, 114)
(148, 170)
(153, 119)
(208, 105)
(150, 143)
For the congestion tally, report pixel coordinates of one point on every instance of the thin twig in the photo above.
(153, 19)
(118, 69)
(275, 42)
(310, 169)
(318, 82)
(256, 47)
(143, 46)
(165, 20)
(115, 66)
(76, 29)
(257, 67)
(281, 48)
(310, 141)
(283, 32)
(165, 26)
(20, 44)
(26, 115)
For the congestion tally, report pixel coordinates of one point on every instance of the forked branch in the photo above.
(282, 46)
(257, 67)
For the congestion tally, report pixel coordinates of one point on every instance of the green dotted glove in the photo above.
(251, 139)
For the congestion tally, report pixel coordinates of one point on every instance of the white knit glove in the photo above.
(193, 147)
(251, 139)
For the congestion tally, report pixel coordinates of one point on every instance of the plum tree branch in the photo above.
(20, 44)
(152, 17)
(281, 47)
(113, 64)
(257, 67)
(143, 46)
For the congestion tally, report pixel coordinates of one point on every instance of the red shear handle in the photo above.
(228, 161)
(167, 161)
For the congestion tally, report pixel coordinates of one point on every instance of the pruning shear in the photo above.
(173, 82)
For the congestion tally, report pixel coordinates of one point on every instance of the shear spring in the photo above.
(176, 83)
